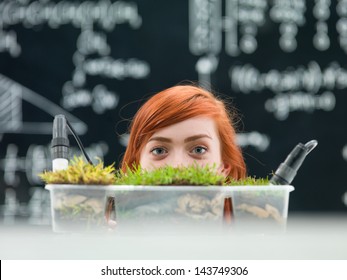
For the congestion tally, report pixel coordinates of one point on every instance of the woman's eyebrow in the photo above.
(188, 139)
(196, 137)
(160, 139)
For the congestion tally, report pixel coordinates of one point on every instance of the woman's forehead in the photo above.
(188, 128)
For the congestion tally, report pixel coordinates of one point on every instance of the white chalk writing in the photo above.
(259, 141)
(247, 79)
(104, 13)
(282, 105)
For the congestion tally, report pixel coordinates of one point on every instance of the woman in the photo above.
(182, 125)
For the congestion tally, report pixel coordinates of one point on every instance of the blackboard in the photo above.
(282, 64)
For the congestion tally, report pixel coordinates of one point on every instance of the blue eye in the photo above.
(199, 150)
(158, 151)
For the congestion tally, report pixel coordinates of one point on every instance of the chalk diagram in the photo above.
(12, 120)
(12, 95)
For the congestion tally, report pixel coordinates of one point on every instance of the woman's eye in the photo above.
(158, 151)
(199, 150)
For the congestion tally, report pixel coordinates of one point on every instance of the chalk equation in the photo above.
(92, 54)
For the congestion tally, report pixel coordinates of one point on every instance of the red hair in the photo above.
(177, 104)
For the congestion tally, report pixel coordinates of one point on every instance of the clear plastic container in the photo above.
(83, 208)
(171, 205)
(98, 207)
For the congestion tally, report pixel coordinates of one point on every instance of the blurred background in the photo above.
(281, 64)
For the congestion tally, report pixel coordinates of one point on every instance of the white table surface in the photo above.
(308, 236)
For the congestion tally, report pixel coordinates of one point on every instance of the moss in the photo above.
(80, 172)
(83, 173)
(250, 181)
(191, 175)
(168, 175)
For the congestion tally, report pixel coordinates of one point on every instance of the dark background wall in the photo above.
(282, 64)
